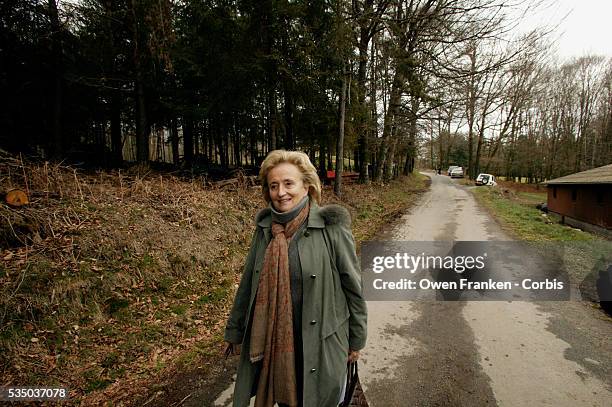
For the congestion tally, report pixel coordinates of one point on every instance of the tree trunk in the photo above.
(174, 139)
(197, 136)
(390, 114)
(226, 146)
(474, 173)
(340, 141)
(388, 167)
(329, 153)
(289, 141)
(237, 145)
(441, 142)
(361, 125)
(411, 152)
(187, 141)
(114, 94)
(431, 146)
(142, 128)
(115, 129)
(322, 154)
(471, 108)
(272, 112)
(56, 51)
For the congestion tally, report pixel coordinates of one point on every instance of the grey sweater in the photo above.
(295, 272)
(295, 268)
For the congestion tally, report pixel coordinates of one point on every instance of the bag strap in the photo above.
(352, 378)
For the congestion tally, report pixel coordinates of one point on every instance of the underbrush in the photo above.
(374, 205)
(121, 278)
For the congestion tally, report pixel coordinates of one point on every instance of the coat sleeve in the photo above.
(348, 267)
(234, 330)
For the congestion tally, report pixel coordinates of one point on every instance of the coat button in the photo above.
(306, 234)
(313, 370)
(313, 322)
(256, 271)
(313, 276)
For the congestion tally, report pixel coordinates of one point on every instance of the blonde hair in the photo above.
(301, 161)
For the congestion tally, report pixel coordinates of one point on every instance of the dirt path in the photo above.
(433, 353)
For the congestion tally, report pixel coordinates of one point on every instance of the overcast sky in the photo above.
(585, 26)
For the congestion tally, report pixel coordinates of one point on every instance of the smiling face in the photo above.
(285, 186)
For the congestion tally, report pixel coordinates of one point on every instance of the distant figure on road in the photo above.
(299, 314)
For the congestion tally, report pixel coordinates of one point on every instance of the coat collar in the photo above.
(315, 220)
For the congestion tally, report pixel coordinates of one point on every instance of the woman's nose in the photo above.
(281, 191)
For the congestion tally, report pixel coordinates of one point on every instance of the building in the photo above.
(584, 199)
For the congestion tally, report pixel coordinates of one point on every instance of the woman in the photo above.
(299, 313)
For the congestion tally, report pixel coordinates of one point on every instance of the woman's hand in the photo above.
(232, 349)
(353, 356)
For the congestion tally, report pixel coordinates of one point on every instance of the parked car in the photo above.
(456, 172)
(485, 179)
(451, 168)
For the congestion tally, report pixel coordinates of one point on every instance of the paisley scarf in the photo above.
(272, 324)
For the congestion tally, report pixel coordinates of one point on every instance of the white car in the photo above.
(485, 179)
(456, 172)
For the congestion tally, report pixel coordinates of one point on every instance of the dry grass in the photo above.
(374, 205)
(122, 271)
(111, 281)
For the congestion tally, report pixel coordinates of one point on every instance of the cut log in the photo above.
(16, 198)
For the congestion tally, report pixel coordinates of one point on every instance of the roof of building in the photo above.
(599, 175)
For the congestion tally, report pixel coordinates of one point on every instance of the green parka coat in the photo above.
(334, 312)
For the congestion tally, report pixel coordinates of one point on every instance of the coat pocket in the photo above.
(332, 328)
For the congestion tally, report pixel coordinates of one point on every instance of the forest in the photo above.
(212, 85)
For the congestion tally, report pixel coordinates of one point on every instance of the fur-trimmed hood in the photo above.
(319, 216)
(335, 215)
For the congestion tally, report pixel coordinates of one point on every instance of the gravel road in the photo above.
(481, 353)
